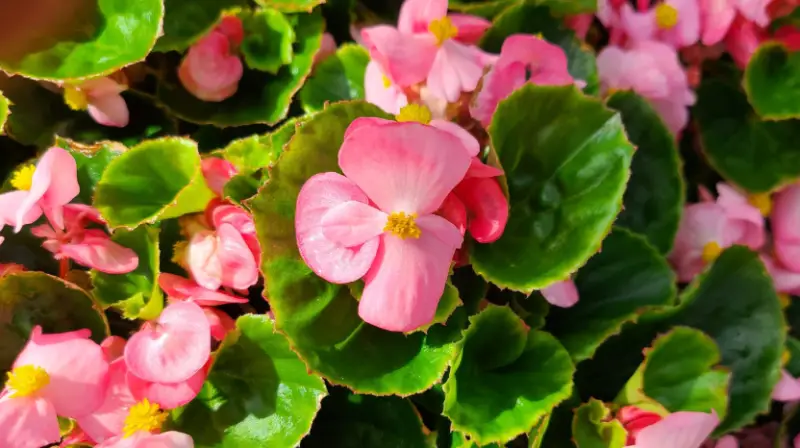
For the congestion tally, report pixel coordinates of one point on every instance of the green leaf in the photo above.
(770, 82)
(570, 7)
(155, 179)
(486, 9)
(242, 187)
(593, 427)
(261, 97)
(653, 201)
(566, 160)
(122, 31)
(259, 151)
(527, 17)
(3, 111)
(291, 5)
(267, 45)
(28, 299)
(186, 21)
(504, 378)
(348, 420)
(735, 140)
(626, 278)
(137, 292)
(339, 77)
(319, 318)
(258, 393)
(793, 348)
(91, 162)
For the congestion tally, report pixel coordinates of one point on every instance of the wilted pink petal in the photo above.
(563, 294)
(217, 173)
(678, 430)
(209, 71)
(167, 395)
(27, 422)
(180, 288)
(108, 420)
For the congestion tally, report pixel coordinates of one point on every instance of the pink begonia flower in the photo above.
(742, 40)
(210, 71)
(173, 348)
(144, 439)
(704, 231)
(108, 420)
(563, 294)
(167, 395)
(47, 187)
(61, 374)
(785, 221)
(376, 221)
(217, 172)
(784, 280)
(523, 58)
(89, 247)
(676, 430)
(381, 91)
(653, 70)
(673, 22)
(750, 217)
(101, 98)
(787, 389)
(180, 288)
(428, 45)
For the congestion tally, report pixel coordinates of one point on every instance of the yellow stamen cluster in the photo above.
(23, 177)
(414, 112)
(666, 16)
(443, 29)
(75, 98)
(711, 251)
(27, 380)
(386, 82)
(144, 416)
(761, 201)
(402, 225)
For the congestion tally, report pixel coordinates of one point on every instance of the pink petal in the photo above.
(453, 210)
(219, 322)
(333, 262)
(54, 184)
(700, 224)
(391, 99)
(738, 208)
(416, 15)
(457, 68)
(742, 40)
(113, 347)
(785, 281)
(437, 106)
(468, 140)
(11, 203)
(76, 214)
(675, 115)
(142, 439)
(754, 10)
(217, 173)
(480, 169)
(563, 294)
(108, 420)
(405, 58)
(639, 26)
(497, 86)
(203, 259)
(77, 368)
(470, 28)
(678, 430)
(487, 208)
(787, 389)
(209, 71)
(174, 348)
(239, 267)
(727, 442)
(242, 221)
(687, 31)
(180, 288)
(785, 222)
(231, 26)
(109, 110)
(46, 232)
(408, 277)
(717, 17)
(352, 223)
(788, 252)
(167, 395)
(97, 251)
(415, 169)
(548, 62)
(101, 87)
(27, 422)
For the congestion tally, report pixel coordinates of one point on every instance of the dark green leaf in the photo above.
(593, 427)
(186, 21)
(339, 77)
(770, 81)
(793, 348)
(486, 9)
(267, 45)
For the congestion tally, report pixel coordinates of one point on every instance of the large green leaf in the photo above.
(735, 140)
(321, 319)
(527, 17)
(770, 82)
(617, 285)
(291, 5)
(186, 21)
(91, 162)
(261, 97)
(156, 179)
(339, 77)
(78, 39)
(566, 160)
(258, 392)
(505, 378)
(28, 299)
(593, 427)
(267, 45)
(653, 201)
(348, 420)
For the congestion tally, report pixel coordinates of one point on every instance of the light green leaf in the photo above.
(340, 77)
(291, 5)
(267, 45)
(3, 112)
(186, 21)
(593, 427)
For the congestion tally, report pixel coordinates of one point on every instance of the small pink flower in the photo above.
(210, 70)
(101, 98)
(676, 430)
(143, 439)
(217, 173)
(563, 294)
(381, 91)
(377, 220)
(673, 22)
(62, 374)
(743, 39)
(704, 231)
(785, 221)
(741, 210)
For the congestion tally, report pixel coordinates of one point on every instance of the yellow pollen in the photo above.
(784, 299)
(666, 16)
(414, 112)
(711, 251)
(144, 416)
(386, 82)
(75, 98)
(443, 29)
(23, 177)
(27, 380)
(761, 201)
(403, 225)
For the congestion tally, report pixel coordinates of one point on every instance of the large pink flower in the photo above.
(101, 98)
(673, 22)
(210, 71)
(785, 220)
(55, 374)
(377, 220)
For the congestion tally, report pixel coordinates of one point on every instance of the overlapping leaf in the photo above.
(771, 82)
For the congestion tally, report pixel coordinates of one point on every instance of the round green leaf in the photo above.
(566, 160)
(261, 97)
(291, 5)
(186, 21)
(626, 278)
(770, 82)
(28, 299)
(84, 39)
(594, 427)
(337, 78)
(653, 201)
(735, 140)
(319, 318)
(258, 393)
(504, 378)
(267, 45)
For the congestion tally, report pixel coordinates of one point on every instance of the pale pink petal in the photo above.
(788, 253)
(170, 439)
(102, 87)
(167, 395)
(611, 68)
(403, 288)
(787, 389)
(437, 106)
(405, 58)
(172, 349)
(717, 17)
(700, 224)
(44, 231)
(239, 267)
(727, 442)
(109, 110)
(209, 71)
(487, 207)
(27, 422)
(389, 98)
(738, 208)
(674, 115)
(678, 430)
(562, 294)
(416, 15)
(497, 86)
(11, 203)
(352, 223)
(457, 68)
(97, 251)
(415, 169)
(108, 420)
(470, 28)
(785, 216)
(468, 140)
(687, 31)
(203, 259)
(217, 173)
(54, 184)
(330, 261)
(219, 322)
(785, 281)
(754, 10)
(639, 26)
(453, 210)
(180, 288)
(113, 347)
(242, 221)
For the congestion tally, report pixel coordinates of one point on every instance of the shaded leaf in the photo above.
(337, 78)
(770, 81)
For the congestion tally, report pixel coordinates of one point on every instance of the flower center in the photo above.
(666, 16)
(761, 201)
(711, 251)
(403, 225)
(23, 177)
(443, 29)
(386, 82)
(27, 380)
(144, 416)
(75, 98)
(414, 112)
